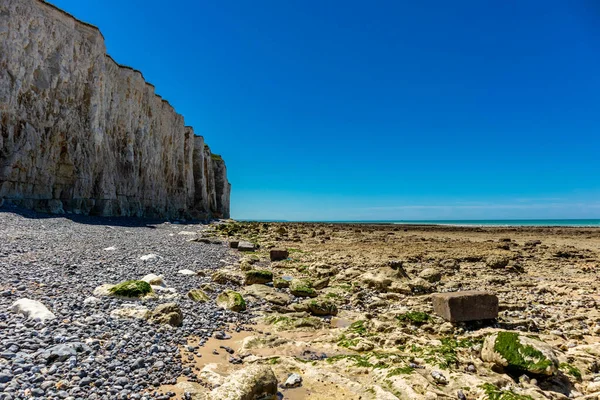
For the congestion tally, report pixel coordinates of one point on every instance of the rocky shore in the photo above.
(295, 311)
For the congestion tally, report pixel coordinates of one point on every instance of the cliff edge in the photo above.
(80, 133)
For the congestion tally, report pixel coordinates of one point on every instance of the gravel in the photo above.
(84, 353)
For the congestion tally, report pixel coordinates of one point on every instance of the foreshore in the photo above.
(346, 307)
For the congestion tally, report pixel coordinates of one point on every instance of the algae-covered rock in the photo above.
(322, 307)
(281, 283)
(259, 276)
(131, 288)
(298, 320)
(302, 288)
(321, 283)
(225, 276)
(231, 300)
(198, 296)
(519, 353)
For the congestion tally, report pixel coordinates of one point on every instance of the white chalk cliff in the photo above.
(80, 133)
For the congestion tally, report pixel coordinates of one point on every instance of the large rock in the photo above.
(257, 276)
(246, 246)
(302, 288)
(83, 134)
(167, 314)
(154, 280)
(268, 294)
(198, 295)
(497, 261)
(250, 383)
(322, 307)
(278, 254)
(519, 353)
(470, 305)
(32, 309)
(382, 278)
(231, 300)
(134, 311)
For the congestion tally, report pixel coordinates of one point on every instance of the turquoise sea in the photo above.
(491, 222)
(467, 222)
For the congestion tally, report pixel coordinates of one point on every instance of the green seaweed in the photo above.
(258, 276)
(414, 317)
(131, 288)
(494, 393)
(520, 357)
(400, 371)
(571, 370)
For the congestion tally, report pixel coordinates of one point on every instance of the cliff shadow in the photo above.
(129, 222)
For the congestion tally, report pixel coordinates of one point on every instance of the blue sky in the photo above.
(344, 110)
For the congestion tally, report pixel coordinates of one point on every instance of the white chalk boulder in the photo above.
(32, 309)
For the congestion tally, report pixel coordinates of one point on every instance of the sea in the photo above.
(464, 222)
(490, 222)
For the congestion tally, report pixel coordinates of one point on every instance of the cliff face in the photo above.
(81, 133)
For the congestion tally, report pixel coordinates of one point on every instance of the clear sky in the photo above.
(345, 110)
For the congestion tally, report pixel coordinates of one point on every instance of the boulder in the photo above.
(302, 288)
(281, 283)
(251, 383)
(278, 254)
(431, 275)
(464, 306)
(131, 289)
(232, 301)
(420, 286)
(268, 294)
(321, 283)
(322, 307)
(381, 279)
(257, 276)
(246, 246)
(322, 270)
(135, 311)
(198, 296)
(154, 280)
(449, 264)
(168, 313)
(519, 354)
(497, 261)
(32, 309)
(225, 276)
